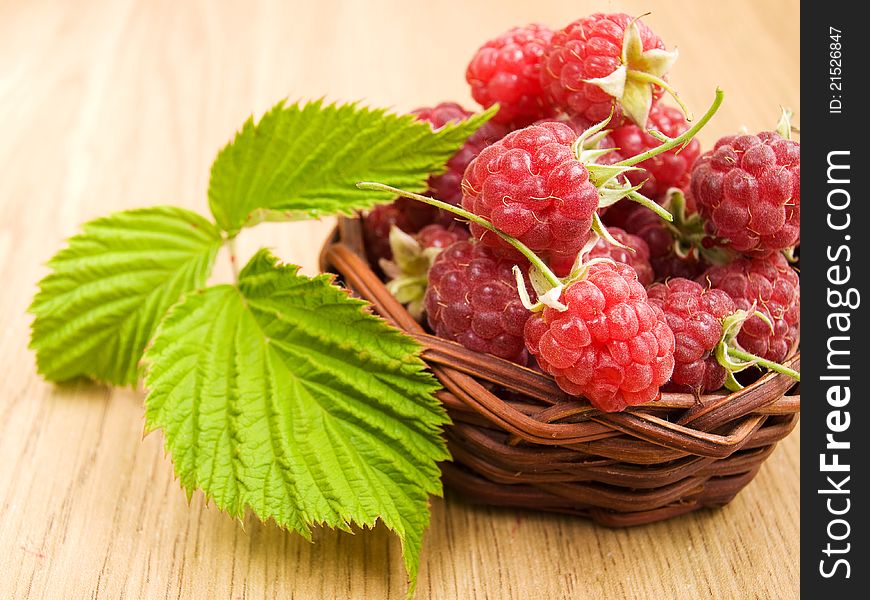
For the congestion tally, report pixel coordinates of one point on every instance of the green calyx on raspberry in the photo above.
(546, 290)
(407, 271)
(609, 179)
(413, 256)
(632, 83)
(689, 233)
(734, 359)
(784, 126)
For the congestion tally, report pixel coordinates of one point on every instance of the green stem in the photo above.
(653, 206)
(461, 212)
(746, 356)
(677, 141)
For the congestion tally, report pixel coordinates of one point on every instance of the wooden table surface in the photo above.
(118, 104)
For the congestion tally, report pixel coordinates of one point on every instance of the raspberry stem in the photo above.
(653, 206)
(470, 216)
(680, 140)
(768, 364)
(733, 359)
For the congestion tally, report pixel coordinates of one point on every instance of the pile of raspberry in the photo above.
(642, 305)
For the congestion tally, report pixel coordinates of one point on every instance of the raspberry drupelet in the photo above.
(440, 237)
(610, 344)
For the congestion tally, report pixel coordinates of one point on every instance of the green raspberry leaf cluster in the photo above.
(279, 394)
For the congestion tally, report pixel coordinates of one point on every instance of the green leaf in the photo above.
(287, 396)
(303, 161)
(111, 285)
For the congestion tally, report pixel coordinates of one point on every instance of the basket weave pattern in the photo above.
(518, 440)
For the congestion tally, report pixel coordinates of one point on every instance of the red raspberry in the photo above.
(694, 313)
(659, 238)
(472, 299)
(591, 48)
(664, 171)
(637, 258)
(774, 287)
(507, 70)
(447, 186)
(748, 188)
(530, 186)
(610, 345)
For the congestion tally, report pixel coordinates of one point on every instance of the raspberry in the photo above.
(748, 190)
(592, 48)
(661, 172)
(472, 299)
(507, 70)
(530, 186)
(774, 288)
(447, 186)
(637, 258)
(610, 345)
(648, 226)
(695, 315)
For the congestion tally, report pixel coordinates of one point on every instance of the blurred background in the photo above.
(108, 105)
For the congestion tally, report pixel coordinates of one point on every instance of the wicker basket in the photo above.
(517, 440)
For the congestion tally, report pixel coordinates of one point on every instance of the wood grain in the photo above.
(111, 105)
